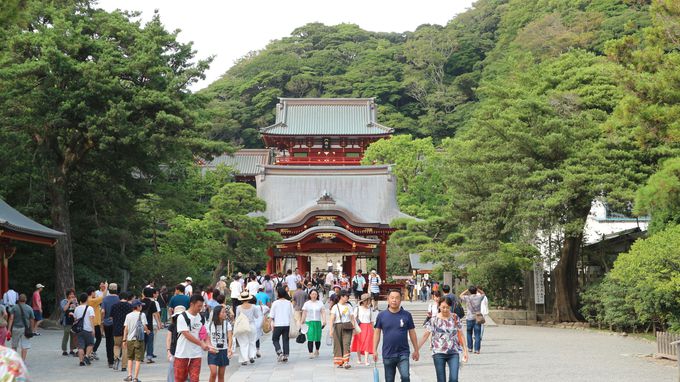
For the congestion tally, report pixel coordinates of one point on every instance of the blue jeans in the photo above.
(148, 341)
(440, 362)
(473, 326)
(392, 364)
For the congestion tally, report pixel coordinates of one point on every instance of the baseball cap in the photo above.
(189, 279)
(136, 303)
(39, 285)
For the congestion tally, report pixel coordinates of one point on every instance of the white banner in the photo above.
(539, 285)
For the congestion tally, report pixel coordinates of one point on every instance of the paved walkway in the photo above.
(509, 353)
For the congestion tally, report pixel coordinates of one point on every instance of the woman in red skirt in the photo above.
(362, 343)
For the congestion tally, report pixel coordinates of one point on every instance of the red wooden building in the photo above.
(318, 196)
(15, 226)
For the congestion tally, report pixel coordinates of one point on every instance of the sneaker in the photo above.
(244, 363)
(154, 356)
(347, 365)
(87, 361)
(82, 364)
(252, 360)
(110, 366)
(36, 333)
(116, 364)
(94, 356)
(136, 380)
(258, 354)
(285, 358)
(123, 369)
(316, 353)
(64, 353)
(150, 361)
(73, 354)
(311, 355)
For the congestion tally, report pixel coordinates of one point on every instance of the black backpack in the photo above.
(175, 334)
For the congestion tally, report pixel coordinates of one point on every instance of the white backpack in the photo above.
(241, 325)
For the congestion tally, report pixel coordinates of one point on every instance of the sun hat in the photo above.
(179, 309)
(245, 296)
(365, 297)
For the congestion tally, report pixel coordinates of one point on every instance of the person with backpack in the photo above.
(133, 336)
(83, 327)
(268, 288)
(221, 338)
(20, 322)
(235, 288)
(190, 345)
(358, 284)
(245, 330)
(374, 282)
(118, 314)
(108, 302)
(171, 342)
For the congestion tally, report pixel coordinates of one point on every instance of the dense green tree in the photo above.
(98, 94)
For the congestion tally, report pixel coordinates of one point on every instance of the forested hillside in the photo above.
(510, 120)
(514, 116)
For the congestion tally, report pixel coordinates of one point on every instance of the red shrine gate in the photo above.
(318, 196)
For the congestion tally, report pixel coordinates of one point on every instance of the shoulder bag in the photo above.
(344, 325)
(28, 333)
(266, 322)
(77, 326)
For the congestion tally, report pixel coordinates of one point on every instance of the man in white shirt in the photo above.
(133, 337)
(190, 347)
(9, 299)
(330, 280)
(235, 289)
(253, 286)
(85, 337)
(291, 282)
(188, 289)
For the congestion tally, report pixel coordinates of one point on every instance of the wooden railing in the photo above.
(664, 348)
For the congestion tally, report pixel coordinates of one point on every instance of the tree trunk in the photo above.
(217, 272)
(566, 281)
(61, 220)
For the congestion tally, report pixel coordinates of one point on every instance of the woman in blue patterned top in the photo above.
(446, 332)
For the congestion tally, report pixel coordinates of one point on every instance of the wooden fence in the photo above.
(664, 347)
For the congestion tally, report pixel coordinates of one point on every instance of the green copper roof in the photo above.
(326, 116)
(245, 162)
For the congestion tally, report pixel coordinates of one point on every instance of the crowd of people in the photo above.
(230, 320)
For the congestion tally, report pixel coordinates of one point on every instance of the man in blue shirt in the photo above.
(179, 298)
(398, 326)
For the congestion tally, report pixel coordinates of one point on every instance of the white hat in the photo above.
(189, 279)
(179, 309)
(223, 278)
(39, 285)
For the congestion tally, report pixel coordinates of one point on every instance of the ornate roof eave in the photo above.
(24, 228)
(329, 229)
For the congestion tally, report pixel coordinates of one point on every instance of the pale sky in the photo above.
(229, 29)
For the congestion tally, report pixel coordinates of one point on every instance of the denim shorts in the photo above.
(218, 359)
(84, 339)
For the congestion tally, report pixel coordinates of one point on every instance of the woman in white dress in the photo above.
(247, 341)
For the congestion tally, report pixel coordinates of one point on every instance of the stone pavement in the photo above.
(509, 353)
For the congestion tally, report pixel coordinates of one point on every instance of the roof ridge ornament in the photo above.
(325, 198)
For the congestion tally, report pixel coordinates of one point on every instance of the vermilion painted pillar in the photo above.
(4, 274)
(382, 261)
(271, 262)
(352, 265)
(302, 264)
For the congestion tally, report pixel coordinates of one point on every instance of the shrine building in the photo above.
(318, 196)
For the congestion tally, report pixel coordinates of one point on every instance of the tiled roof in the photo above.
(368, 193)
(245, 161)
(414, 259)
(326, 116)
(14, 220)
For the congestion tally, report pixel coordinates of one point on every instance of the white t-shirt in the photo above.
(186, 349)
(364, 315)
(131, 323)
(87, 323)
(253, 287)
(313, 309)
(218, 334)
(342, 313)
(281, 312)
(329, 278)
(433, 309)
(188, 290)
(235, 288)
(291, 281)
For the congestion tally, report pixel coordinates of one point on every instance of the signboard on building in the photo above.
(539, 284)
